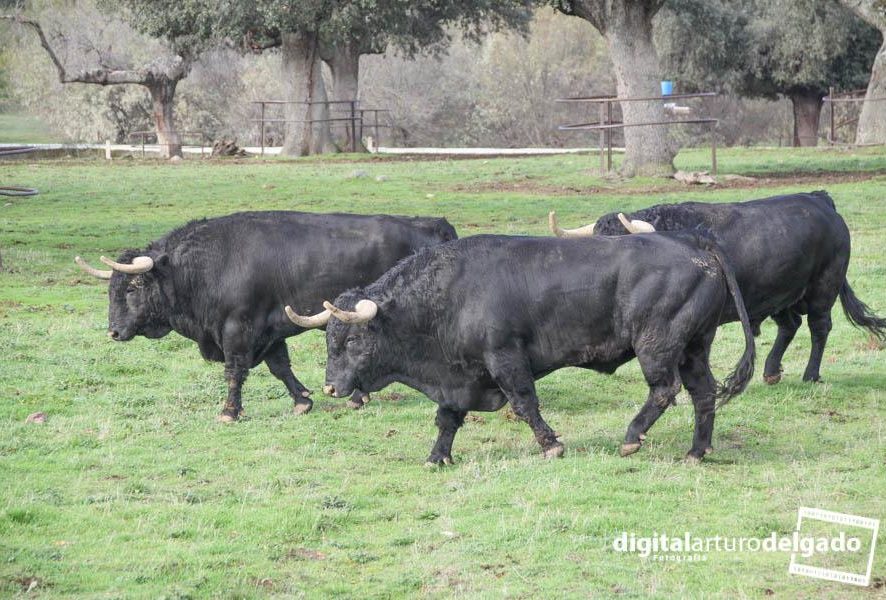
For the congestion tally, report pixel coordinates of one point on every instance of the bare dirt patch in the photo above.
(530, 186)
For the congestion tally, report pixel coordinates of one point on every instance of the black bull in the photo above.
(790, 255)
(473, 323)
(221, 282)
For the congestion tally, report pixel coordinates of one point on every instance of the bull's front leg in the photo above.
(238, 360)
(510, 371)
(235, 375)
(277, 360)
(448, 423)
(358, 400)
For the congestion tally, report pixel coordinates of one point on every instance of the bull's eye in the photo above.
(351, 340)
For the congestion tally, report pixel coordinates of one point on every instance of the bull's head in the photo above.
(630, 225)
(351, 343)
(138, 303)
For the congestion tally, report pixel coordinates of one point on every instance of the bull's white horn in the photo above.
(635, 225)
(365, 310)
(585, 231)
(310, 322)
(140, 264)
(92, 270)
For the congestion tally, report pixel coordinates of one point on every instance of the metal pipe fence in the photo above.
(605, 125)
(354, 120)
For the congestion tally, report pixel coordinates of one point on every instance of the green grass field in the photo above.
(18, 128)
(132, 489)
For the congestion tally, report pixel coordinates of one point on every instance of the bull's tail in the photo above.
(860, 314)
(738, 380)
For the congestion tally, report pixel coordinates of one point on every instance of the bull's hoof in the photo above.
(555, 451)
(691, 459)
(226, 418)
(708, 450)
(354, 404)
(628, 449)
(772, 379)
(434, 462)
(302, 408)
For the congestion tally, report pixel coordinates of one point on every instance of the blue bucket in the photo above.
(667, 88)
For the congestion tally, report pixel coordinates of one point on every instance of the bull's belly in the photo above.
(605, 358)
(761, 306)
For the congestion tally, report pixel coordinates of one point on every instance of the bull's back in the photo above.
(282, 257)
(778, 246)
(571, 302)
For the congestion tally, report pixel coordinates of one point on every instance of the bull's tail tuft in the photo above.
(859, 314)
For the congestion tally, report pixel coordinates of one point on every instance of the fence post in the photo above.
(602, 140)
(377, 139)
(832, 138)
(713, 152)
(353, 125)
(609, 136)
(262, 125)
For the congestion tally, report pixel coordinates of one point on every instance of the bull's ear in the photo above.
(161, 263)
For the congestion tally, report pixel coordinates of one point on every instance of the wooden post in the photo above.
(108, 149)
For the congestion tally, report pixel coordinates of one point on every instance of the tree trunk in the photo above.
(308, 132)
(807, 111)
(649, 150)
(344, 63)
(162, 98)
(872, 121)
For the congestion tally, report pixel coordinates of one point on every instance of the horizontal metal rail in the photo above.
(602, 99)
(620, 125)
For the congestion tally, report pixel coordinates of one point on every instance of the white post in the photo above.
(108, 149)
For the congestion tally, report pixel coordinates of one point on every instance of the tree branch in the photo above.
(872, 11)
(100, 76)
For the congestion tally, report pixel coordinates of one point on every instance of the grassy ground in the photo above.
(132, 489)
(22, 128)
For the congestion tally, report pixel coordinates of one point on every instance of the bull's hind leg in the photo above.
(820, 299)
(448, 423)
(820, 328)
(695, 371)
(788, 322)
(659, 369)
(512, 375)
(277, 360)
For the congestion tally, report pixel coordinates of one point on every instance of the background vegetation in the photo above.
(488, 90)
(131, 488)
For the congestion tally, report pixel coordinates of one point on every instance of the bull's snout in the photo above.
(329, 390)
(114, 334)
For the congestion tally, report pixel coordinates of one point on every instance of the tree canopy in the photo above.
(764, 48)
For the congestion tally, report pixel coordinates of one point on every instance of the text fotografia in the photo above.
(694, 548)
